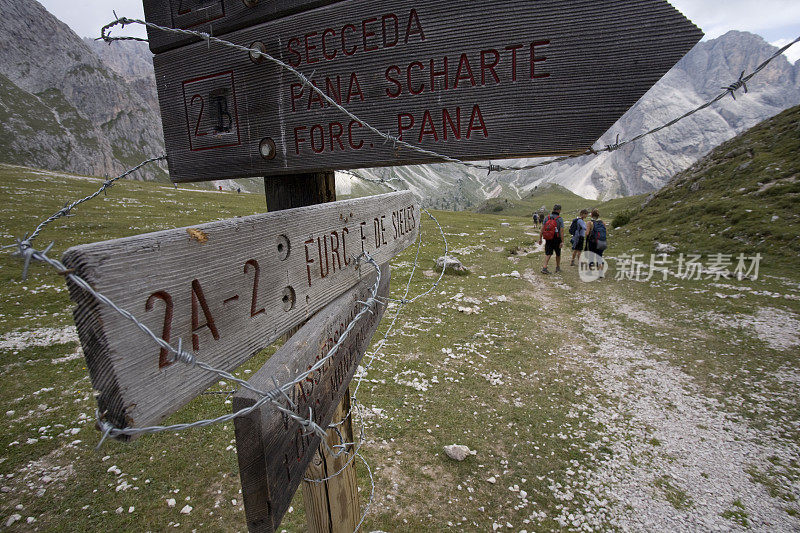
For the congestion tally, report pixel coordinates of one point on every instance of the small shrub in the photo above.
(621, 218)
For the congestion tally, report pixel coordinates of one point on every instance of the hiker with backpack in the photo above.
(596, 237)
(578, 231)
(536, 220)
(552, 233)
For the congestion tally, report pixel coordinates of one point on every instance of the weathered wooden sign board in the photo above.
(273, 452)
(216, 17)
(227, 289)
(475, 79)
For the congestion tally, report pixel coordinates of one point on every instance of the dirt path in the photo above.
(674, 458)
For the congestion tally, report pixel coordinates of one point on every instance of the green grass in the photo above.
(677, 497)
(503, 383)
(742, 197)
(547, 195)
(737, 513)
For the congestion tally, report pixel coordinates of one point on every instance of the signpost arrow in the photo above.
(472, 79)
(227, 289)
(272, 449)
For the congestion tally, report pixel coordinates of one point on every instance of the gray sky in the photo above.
(778, 21)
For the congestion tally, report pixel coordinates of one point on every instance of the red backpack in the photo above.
(550, 228)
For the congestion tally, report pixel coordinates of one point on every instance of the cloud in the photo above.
(793, 53)
(769, 18)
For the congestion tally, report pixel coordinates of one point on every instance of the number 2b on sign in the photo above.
(212, 120)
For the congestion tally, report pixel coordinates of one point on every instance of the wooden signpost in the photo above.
(216, 17)
(473, 79)
(227, 289)
(273, 451)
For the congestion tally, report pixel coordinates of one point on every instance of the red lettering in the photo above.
(317, 127)
(296, 58)
(363, 237)
(535, 60)
(463, 65)
(325, 33)
(164, 296)
(336, 136)
(199, 302)
(335, 93)
(400, 127)
(394, 20)
(295, 95)
(354, 83)
(309, 48)
(513, 49)
(323, 272)
(447, 119)
(314, 96)
(389, 92)
(408, 77)
(298, 139)
(476, 122)
(350, 135)
(438, 73)
(366, 34)
(489, 66)
(335, 257)
(344, 40)
(413, 19)
(427, 127)
(345, 231)
(309, 261)
(256, 274)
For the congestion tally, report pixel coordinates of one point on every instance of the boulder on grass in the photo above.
(451, 265)
(458, 452)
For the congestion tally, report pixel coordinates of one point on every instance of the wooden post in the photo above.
(331, 506)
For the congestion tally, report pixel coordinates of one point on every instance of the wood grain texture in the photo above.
(229, 289)
(299, 190)
(216, 17)
(332, 506)
(273, 453)
(522, 79)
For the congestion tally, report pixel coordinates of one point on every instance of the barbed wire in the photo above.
(396, 141)
(24, 244)
(278, 395)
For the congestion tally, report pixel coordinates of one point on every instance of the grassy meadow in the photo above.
(517, 366)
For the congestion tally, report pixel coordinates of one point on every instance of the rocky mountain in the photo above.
(133, 61)
(62, 107)
(90, 107)
(647, 165)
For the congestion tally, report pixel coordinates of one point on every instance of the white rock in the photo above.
(13, 518)
(171, 502)
(492, 480)
(186, 509)
(663, 248)
(114, 469)
(459, 452)
(449, 262)
(118, 510)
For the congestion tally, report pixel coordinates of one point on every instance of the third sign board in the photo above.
(470, 79)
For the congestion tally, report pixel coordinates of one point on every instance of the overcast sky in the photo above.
(778, 21)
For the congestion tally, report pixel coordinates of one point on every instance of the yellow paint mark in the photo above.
(198, 235)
